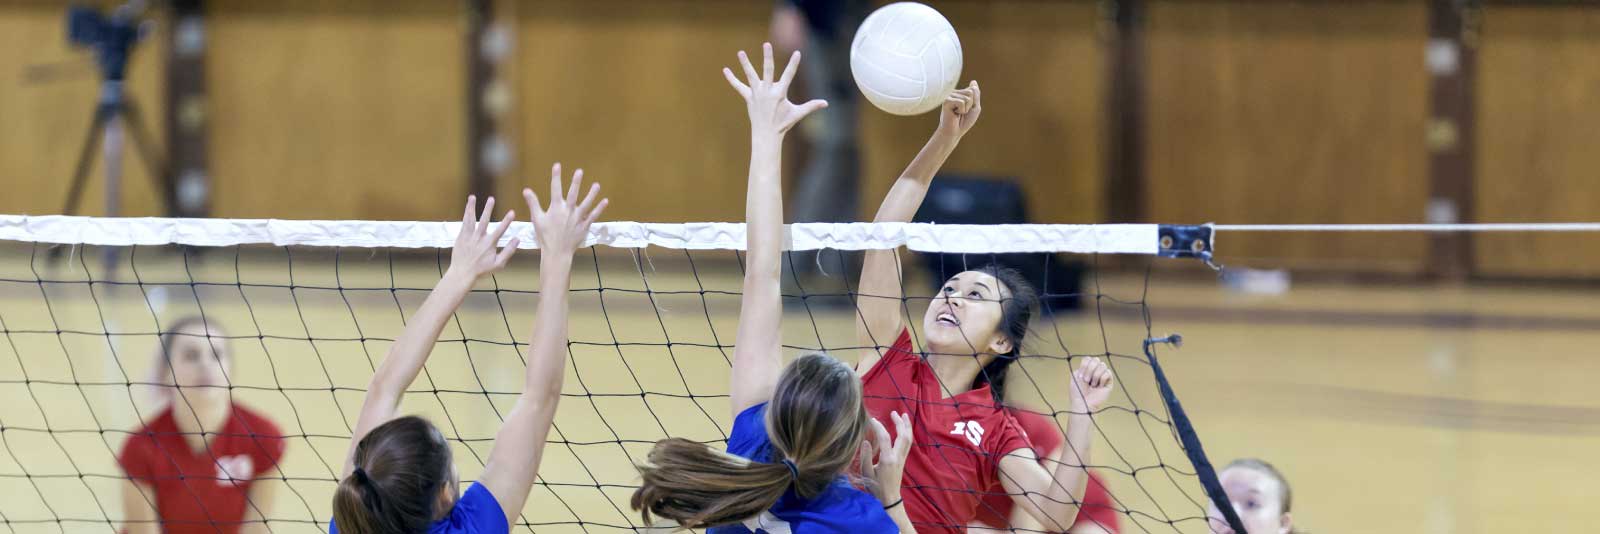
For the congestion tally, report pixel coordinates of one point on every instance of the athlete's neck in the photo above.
(955, 371)
(198, 420)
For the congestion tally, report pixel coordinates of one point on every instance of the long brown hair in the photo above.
(815, 421)
(402, 466)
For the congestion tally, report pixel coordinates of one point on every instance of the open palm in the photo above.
(767, 100)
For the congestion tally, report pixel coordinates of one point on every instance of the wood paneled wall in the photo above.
(48, 93)
(1539, 124)
(1041, 66)
(340, 110)
(1256, 112)
(1290, 112)
(633, 93)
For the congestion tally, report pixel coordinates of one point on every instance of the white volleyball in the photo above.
(905, 58)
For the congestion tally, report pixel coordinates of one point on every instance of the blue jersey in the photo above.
(839, 509)
(476, 512)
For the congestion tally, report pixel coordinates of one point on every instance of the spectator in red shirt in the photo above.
(198, 464)
(1097, 514)
(964, 440)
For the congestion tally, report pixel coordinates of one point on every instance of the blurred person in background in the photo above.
(996, 513)
(198, 464)
(1260, 495)
(827, 188)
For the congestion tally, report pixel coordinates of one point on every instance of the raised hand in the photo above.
(960, 111)
(474, 253)
(891, 464)
(1091, 386)
(766, 99)
(562, 227)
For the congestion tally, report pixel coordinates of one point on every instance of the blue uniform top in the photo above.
(476, 512)
(839, 509)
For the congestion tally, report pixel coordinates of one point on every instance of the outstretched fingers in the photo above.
(555, 184)
(534, 207)
(467, 220)
(788, 70)
(738, 86)
(572, 188)
(766, 62)
(749, 70)
(486, 219)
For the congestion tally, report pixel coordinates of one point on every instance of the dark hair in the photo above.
(401, 467)
(815, 421)
(1016, 310)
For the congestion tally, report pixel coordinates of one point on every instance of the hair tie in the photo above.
(794, 472)
(369, 491)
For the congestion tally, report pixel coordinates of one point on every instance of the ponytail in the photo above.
(699, 487)
(402, 466)
(815, 423)
(350, 510)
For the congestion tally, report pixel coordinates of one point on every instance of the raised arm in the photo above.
(472, 257)
(561, 228)
(880, 317)
(757, 361)
(1052, 496)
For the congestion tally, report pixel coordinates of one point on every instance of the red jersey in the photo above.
(958, 442)
(1045, 436)
(202, 491)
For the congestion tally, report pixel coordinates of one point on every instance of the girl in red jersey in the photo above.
(965, 440)
(997, 513)
(198, 464)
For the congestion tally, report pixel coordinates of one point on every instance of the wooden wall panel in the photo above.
(347, 110)
(1041, 66)
(1290, 112)
(633, 93)
(48, 92)
(1539, 119)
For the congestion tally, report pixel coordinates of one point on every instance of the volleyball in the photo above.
(905, 58)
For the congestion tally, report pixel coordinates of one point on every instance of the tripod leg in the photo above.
(80, 175)
(154, 164)
(111, 160)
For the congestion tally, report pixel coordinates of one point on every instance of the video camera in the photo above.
(112, 37)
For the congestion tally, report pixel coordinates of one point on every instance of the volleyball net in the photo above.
(306, 310)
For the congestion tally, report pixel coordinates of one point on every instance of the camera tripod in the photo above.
(112, 39)
(110, 114)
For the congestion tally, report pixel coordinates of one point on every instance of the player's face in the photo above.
(964, 317)
(199, 363)
(1256, 498)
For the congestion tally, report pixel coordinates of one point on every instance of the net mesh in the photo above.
(651, 339)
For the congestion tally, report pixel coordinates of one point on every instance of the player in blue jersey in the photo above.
(398, 475)
(798, 428)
